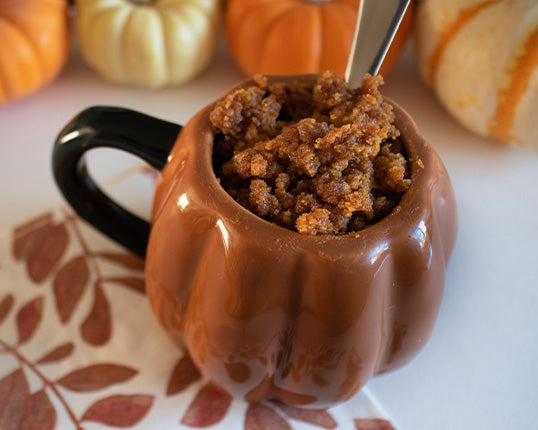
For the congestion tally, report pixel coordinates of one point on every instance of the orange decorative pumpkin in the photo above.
(288, 37)
(34, 44)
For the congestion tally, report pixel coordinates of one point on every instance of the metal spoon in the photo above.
(377, 22)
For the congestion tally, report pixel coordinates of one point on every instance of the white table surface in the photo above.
(479, 369)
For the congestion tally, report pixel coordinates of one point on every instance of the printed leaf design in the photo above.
(129, 261)
(96, 377)
(5, 306)
(39, 413)
(28, 318)
(149, 171)
(42, 248)
(318, 417)
(97, 327)
(57, 354)
(119, 410)
(27, 236)
(14, 391)
(372, 424)
(69, 285)
(261, 417)
(184, 374)
(136, 284)
(208, 407)
(43, 260)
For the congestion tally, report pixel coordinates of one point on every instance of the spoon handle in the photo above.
(377, 22)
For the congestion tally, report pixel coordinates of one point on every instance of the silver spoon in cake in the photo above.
(377, 23)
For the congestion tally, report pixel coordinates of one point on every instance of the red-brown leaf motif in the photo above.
(14, 391)
(318, 417)
(129, 261)
(261, 417)
(41, 243)
(120, 410)
(28, 235)
(135, 284)
(5, 306)
(208, 407)
(97, 327)
(372, 424)
(39, 413)
(96, 377)
(28, 318)
(149, 171)
(57, 354)
(184, 374)
(69, 285)
(44, 259)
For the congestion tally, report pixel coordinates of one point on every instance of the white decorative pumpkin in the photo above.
(481, 59)
(150, 43)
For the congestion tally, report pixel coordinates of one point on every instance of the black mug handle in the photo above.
(147, 137)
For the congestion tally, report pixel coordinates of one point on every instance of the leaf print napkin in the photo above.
(80, 348)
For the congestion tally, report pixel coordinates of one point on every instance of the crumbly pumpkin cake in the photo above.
(318, 159)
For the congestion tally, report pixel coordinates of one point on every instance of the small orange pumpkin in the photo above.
(34, 37)
(288, 37)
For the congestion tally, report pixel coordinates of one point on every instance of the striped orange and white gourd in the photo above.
(481, 59)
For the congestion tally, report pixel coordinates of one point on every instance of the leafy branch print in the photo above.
(42, 245)
(16, 401)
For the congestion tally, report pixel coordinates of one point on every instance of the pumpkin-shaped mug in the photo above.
(267, 312)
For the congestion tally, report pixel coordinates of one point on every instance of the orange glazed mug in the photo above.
(266, 312)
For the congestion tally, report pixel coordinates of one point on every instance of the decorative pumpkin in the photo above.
(150, 43)
(34, 45)
(481, 59)
(286, 37)
(269, 313)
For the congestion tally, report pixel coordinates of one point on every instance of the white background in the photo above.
(479, 369)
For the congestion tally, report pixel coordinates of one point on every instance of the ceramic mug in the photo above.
(266, 312)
